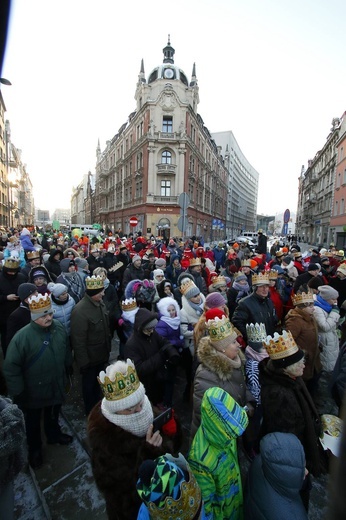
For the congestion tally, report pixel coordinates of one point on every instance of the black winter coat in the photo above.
(150, 355)
(288, 408)
(17, 320)
(253, 309)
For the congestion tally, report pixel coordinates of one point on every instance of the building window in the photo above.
(139, 160)
(342, 206)
(336, 208)
(165, 188)
(166, 157)
(344, 176)
(167, 124)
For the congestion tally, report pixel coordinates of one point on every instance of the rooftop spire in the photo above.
(168, 52)
(193, 81)
(141, 75)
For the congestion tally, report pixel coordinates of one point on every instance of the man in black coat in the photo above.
(304, 278)
(262, 243)
(256, 308)
(10, 280)
(21, 316)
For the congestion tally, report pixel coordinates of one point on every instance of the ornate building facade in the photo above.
(317, 191)
(162, 151)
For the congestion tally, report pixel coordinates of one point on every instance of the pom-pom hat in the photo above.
(57, 289)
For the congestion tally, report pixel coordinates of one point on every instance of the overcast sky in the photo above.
(273, 72)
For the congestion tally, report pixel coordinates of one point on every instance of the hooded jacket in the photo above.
(149, 354)
(216, 370)
(329, 341)
(288, 407)
(213, 456)
(275, 478)
(304, 331)
(170, 332)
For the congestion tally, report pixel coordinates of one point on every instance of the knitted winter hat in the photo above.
(57, 289)
(40, 305)
(120, 386)
(219, 281)
(238, 277)
(135, 257)
(214, 300)
(160, 263)
(158, 272)
(65, 264)
(39, 271)
(189, 289)
(221, 331)
(327, 292)
(313, 267)
(25, 290)
(342, 269)
(169, 489)
(81, 262)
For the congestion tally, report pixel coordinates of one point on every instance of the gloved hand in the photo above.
(120, 322)
(170, 354)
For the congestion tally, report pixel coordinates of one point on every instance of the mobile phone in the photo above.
(162, 419)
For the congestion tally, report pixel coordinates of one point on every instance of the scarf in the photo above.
(243, 290)
(136, 423)
(253, 354)
(323, 304)
(130, 315)
(174, 323)
(197, 307)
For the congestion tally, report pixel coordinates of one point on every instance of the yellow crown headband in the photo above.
(280, 346)
(121, 385)
(303, 297)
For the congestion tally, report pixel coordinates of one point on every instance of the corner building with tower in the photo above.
(162, 151)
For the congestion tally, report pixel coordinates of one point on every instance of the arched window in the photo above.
(166, 157)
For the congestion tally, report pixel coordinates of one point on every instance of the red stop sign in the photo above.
(133, 221)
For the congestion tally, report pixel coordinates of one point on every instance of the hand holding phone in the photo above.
(162, 419)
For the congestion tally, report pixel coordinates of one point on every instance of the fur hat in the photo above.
(221, 330)
(25, 290)
(214, 299)
(57, 289)
(327, 292)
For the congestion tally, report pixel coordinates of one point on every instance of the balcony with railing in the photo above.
(164, 200)
(166, 169)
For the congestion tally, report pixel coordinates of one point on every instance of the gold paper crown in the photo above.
(184, 287)
(185, 507)
(219, 280)
(273, 274)
(94, 282)
(280, 346)
(12, 263)
(297, 254)
(195, 261)
(256, 332)
(129, 304)
(303, 297)
(220, 328)
(246, 262)
(40, 303)
(31, 255)
(121, 386)
(260, 279)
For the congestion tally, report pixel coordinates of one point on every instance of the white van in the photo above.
(250, 235)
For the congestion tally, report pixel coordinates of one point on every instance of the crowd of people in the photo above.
(250, 330)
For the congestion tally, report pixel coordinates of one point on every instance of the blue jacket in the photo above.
(275, 478)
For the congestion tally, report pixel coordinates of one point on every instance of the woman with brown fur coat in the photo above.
(221, 365)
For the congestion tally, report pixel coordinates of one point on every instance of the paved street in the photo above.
(64, 489)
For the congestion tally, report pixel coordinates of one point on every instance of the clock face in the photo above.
(168, 73)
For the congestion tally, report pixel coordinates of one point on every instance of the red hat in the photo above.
(211, 314)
